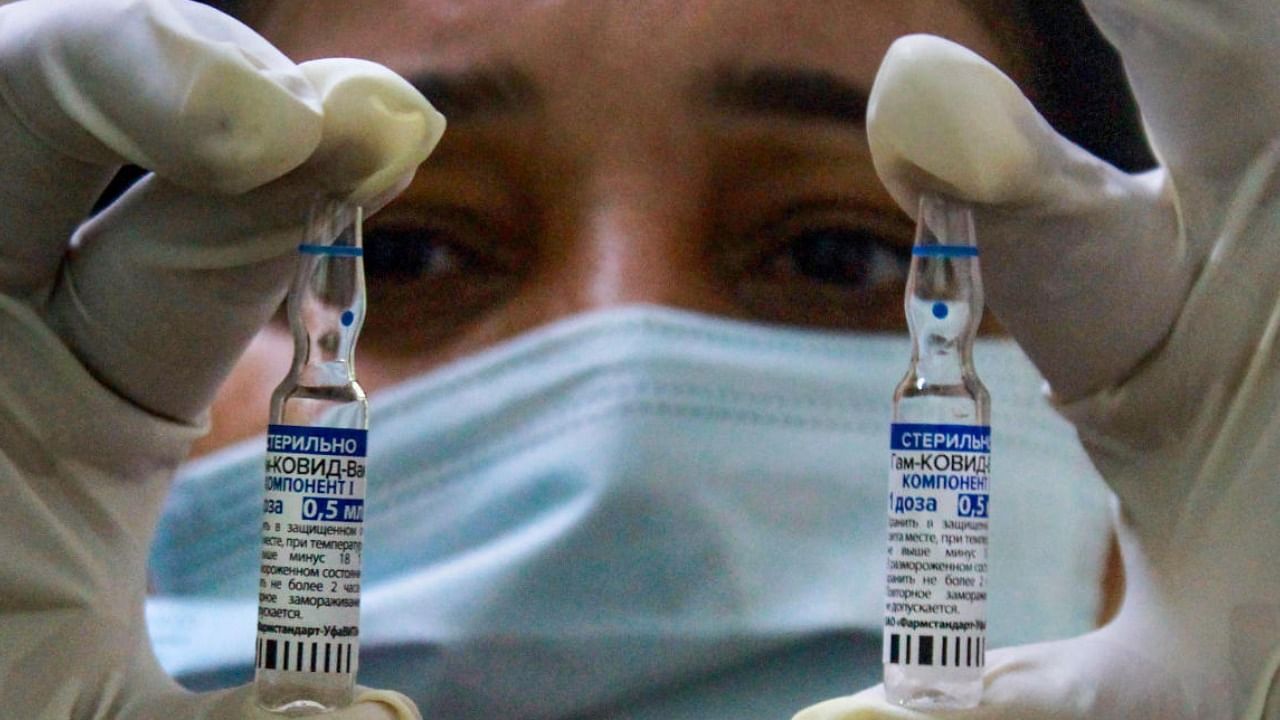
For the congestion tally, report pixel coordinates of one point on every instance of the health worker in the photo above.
(633, 330)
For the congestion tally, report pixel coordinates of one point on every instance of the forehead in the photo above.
(567, 40)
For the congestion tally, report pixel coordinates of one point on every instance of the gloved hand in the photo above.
(1149, 303)
(114, 343)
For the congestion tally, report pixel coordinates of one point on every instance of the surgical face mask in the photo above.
(628, 499)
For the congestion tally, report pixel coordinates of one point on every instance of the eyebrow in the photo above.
(478, 94)
(787, 92)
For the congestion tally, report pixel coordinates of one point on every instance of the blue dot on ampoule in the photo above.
(940, 310)
(349, 317)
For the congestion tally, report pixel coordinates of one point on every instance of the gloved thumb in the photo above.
(1064, 235)
(166, 286)
(358, 162)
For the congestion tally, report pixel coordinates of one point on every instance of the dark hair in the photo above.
(1071, 73)
(1079, 84)
(230, 7)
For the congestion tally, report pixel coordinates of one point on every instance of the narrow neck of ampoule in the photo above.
(327, 302)
(944, 293)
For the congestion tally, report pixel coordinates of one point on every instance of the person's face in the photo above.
(700, 154)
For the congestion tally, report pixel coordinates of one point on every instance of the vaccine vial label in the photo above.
(312, 537)
(935, 605)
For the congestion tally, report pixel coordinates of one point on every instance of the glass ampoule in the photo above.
(313, 511)
(935, 607)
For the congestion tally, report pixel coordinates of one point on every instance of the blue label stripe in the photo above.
(338, 250)
(944, 438)
(945, 251)
(325, 438)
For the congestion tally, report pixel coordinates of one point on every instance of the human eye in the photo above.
(432, 269)
(827, 265)
(847, 257)
(426, 249)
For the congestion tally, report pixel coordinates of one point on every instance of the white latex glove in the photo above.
(113, 345)
(1150, 304)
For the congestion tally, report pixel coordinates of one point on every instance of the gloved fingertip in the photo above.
(941, 118)
(401, 160)
(386, 705)
(250, 114)
(377, 128)
(256, 128)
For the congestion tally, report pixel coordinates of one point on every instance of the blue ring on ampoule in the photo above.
(945, 251)
(337, 250)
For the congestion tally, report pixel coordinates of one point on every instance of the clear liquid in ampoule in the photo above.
(313, 511)
(939, 486)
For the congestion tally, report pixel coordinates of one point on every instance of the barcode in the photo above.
(936, 650)
(303, 656)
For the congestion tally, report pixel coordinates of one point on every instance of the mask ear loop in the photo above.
(1268, 684)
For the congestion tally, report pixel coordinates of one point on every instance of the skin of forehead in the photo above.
(570, 41)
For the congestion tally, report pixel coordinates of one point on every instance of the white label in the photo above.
(935, 604)
(312, 537)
